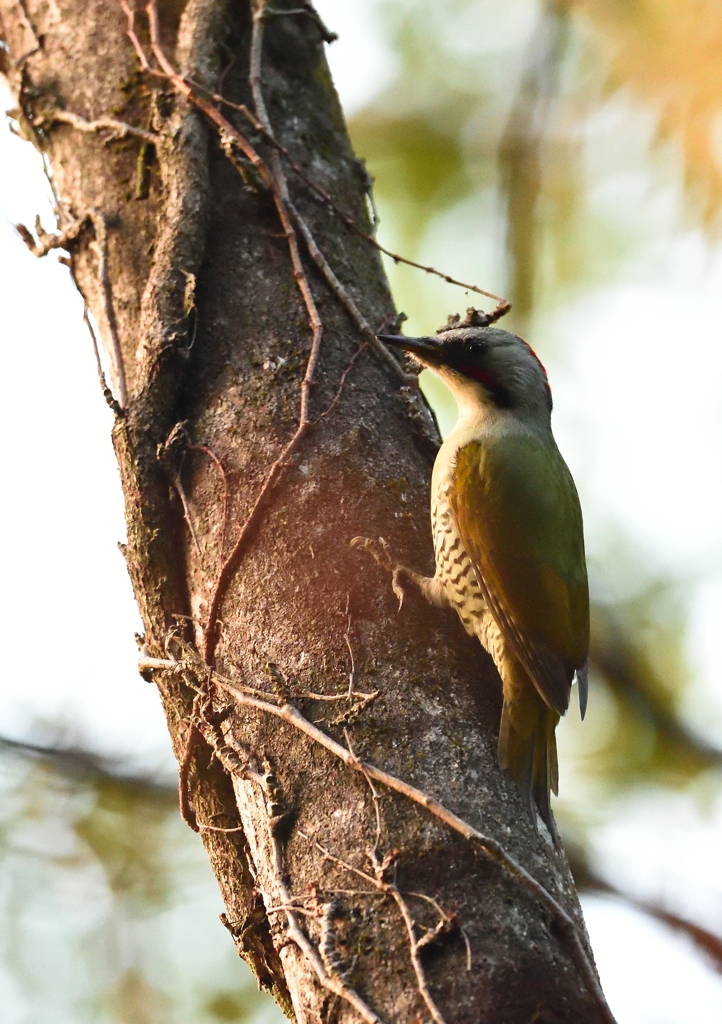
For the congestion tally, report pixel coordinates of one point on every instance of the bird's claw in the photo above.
(396, 585)
(378, 549)
(381, 554)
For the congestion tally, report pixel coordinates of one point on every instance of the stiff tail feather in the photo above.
(528, 751)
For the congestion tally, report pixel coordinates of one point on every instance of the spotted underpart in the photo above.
(455, 575)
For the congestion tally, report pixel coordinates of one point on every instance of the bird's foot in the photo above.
(401, 573)
(381, 554)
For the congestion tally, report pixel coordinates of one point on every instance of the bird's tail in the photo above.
(528, 751)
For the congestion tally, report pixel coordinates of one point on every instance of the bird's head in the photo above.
(486, 369)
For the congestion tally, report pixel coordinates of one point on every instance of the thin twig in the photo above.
(357, 695)
(180, 490)
(255, 78)
(294, 907)
(149, 664)
(337, 860)
(37, 43)
(136, 43)
(217, 828)
(281, 197)
(492, 849)
(107, 393)
(243, 540)
(62, 240)
(334, 983)
(347, 301)
(184, 765)
(48, 241)
(382, 883)
(465, 937)
(354, 892)
(390, 887)
(353, 669)
(118, 129)
(171, 455)
(447, 919)
(347, 638)
(326, 198)
(100, 245)
(256, 59)
(341, 384)
(331, 981)
(374, 794)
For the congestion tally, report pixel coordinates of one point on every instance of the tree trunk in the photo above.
(255, 439)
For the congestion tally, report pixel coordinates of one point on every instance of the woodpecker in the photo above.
(508, 539)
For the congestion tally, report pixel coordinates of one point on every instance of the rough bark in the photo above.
(178, 250)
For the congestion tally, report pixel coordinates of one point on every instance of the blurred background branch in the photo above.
(520, 152)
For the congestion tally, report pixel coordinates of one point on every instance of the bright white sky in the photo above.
(639, 416)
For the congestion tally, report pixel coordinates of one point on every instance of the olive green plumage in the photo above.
(509, 542)
(519, 518)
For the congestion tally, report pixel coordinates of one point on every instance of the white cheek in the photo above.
(468, 394)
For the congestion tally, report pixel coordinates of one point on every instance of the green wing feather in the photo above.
(519, 518)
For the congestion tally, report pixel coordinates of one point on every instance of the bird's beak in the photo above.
(427, 350)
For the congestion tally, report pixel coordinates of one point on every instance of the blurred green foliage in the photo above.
(124, 829)
(109, 908)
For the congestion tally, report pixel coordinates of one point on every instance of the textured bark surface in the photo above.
(211, 330)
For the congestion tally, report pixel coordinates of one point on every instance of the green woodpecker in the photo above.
(508, 539)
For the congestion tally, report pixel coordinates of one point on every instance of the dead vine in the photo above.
(349, 222)
(490, 848)
(274, 179)
(238, 763)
